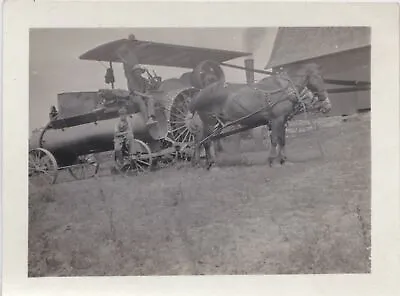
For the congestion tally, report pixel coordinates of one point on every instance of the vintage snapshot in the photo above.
(199, 151)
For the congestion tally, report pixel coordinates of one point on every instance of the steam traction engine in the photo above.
(81, 129)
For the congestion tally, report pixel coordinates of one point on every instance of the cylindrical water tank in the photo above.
(72, 136)
(69, 142)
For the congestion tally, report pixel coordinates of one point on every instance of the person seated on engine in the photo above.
(138, 86)
(123, 132)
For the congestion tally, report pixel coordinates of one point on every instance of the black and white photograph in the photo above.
(199, 151)
(176, 148)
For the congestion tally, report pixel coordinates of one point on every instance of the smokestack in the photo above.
(252, 39)
(249, 63)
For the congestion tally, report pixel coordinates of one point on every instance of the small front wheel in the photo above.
(86, 166)
(139, 163)
(43, 168)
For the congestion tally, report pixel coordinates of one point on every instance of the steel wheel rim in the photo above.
(43, 168)
(179, 114)
(141, 163)
(85, 164)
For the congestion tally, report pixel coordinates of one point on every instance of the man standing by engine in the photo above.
(123, 131)
(137, 84)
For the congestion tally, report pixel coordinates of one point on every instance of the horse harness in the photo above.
(293, 94)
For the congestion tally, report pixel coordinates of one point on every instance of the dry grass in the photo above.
(242, 217)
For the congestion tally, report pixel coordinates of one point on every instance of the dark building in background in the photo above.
(344, 53)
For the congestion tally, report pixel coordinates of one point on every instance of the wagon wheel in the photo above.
(183, 152)
(186, 151)
(179, 115)
(43, 168)
(207, 72)
(140, 163)
(168, 157)
(86, 166)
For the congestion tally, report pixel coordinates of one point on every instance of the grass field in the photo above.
(242, 217)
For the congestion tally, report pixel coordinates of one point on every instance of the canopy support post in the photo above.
(112, 83)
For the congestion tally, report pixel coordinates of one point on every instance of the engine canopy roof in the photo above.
(161, 54)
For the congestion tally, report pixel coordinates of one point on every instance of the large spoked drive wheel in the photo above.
(86, 166)
(43, 168)
(179, 115)
(139, 163)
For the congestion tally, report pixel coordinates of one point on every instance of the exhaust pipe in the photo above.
(249, 63)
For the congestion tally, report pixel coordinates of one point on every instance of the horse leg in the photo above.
(198, 136)
(282, 145)
(273, 153)
(209, 158)
(277, 125)
(207, 131)
(196, 155)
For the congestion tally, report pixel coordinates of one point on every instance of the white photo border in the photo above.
(20, 16)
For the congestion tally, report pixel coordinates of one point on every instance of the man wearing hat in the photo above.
(137, 84)
(123, 130)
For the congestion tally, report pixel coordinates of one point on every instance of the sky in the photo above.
(55, 66)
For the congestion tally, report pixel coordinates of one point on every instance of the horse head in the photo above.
(314, 81)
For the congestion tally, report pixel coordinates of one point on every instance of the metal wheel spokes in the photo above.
(86, 167)
(179, 114)
(171, 157)
(43, 168)
(141, 162)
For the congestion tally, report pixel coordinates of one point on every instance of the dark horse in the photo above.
(272, 101)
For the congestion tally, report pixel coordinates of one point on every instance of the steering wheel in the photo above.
(207, 72)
